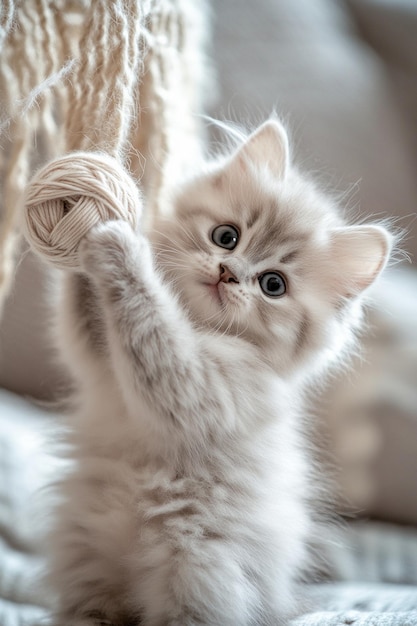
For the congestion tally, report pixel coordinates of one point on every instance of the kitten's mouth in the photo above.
(214, 291)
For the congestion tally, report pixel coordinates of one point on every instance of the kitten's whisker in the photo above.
(166, 256)
(190, 236)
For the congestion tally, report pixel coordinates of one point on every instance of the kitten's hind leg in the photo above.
(199, 583)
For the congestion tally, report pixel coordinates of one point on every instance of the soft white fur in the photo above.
(188, 498)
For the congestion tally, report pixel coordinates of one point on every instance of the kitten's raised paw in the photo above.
(105, 246)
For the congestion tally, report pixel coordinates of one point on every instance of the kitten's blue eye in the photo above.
(225, 236)
(272, 284)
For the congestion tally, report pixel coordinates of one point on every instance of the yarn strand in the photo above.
(102, 102)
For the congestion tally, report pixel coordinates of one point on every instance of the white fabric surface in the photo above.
(362, 604)
(25, 467)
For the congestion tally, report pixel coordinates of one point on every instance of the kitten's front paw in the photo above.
(105, 247)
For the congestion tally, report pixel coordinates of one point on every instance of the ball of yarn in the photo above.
(69, 196)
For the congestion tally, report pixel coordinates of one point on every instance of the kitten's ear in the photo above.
(268, 146)
(360, 253)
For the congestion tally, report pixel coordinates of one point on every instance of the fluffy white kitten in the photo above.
(187, 501)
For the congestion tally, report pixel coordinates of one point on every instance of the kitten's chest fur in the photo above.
(248, 493)
(260, 463)
(261, 421)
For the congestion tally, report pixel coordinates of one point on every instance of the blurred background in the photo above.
(343, 75)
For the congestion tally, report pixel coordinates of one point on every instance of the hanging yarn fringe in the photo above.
(102, 94)
(71, 195)
(123, 77)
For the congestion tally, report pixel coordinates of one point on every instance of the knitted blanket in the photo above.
(375, 565)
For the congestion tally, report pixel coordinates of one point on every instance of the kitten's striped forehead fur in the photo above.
(285, 225)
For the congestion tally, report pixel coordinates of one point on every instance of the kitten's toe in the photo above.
(105, 246)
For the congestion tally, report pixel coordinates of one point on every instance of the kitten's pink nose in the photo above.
(226, 275)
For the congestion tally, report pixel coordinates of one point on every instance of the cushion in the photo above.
(369, 412)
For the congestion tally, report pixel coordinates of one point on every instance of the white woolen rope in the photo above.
(69, 196)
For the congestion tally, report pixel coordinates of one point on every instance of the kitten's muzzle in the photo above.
(226, 276)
